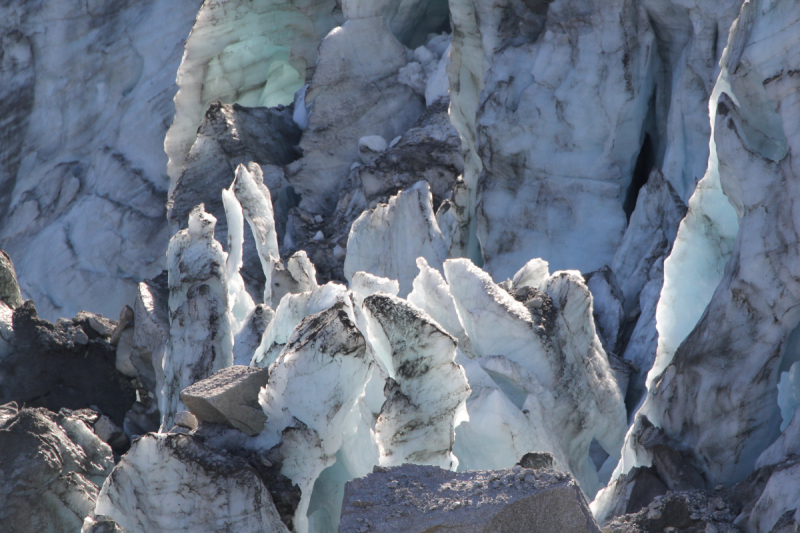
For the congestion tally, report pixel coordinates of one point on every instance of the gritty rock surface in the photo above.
(51, 466)
(230, 397)
(62, 365)
(416, 499)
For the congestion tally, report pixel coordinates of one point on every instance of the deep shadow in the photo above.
(644, 164)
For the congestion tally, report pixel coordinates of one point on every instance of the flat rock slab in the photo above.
(418, 499)
(229, 397)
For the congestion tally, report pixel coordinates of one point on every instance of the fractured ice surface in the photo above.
(552, 337)
(694, 396)
(354, 93)
(425, 400)
(326, 354)
(85, 95)
(201, 340)
(174, 483)
(289, 313)
(387, 240)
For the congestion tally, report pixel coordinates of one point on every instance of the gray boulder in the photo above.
(417, 499)
(229, 397)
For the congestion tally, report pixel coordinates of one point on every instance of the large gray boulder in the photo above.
(417, 499)
(229, 397)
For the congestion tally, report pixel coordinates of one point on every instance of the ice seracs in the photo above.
(201, 340)
(425, 400)
(327, 355)
(387, 240)
(169, 482)
(549, 332)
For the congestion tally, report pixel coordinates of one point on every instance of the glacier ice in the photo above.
(86, 92)
(379, 240)
(552, 336)
(252, 53)
(431, 293)
(354, 93)
(201, 338)
(326, 354)
(741, 287)
(425, 400)
(169, 482)
(290, 312)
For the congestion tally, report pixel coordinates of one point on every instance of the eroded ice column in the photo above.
(256, 204)
(425, 399)
(387, 240)
(313, 387)
(550, 333)
(201, 340)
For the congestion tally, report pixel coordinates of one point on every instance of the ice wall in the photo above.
(85, 96)
(693, 395)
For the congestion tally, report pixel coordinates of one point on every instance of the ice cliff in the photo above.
(350, 235)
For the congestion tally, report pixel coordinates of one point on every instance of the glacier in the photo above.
(445, 233)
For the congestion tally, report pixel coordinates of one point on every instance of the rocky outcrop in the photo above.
(48, 366)
(9, 288)
(51, 466)
(416, 499)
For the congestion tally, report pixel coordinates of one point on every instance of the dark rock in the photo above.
(9, 288)
(60, 365)
(51, 466)
(416, 499)
(538, 461)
